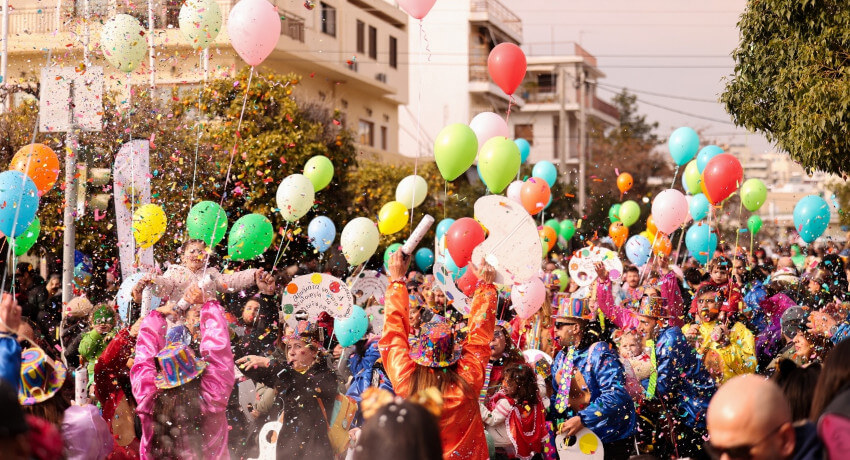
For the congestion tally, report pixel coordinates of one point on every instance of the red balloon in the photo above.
(467, 283)
(721, 177)
(507, 66)
(534, 195)
(463, 236)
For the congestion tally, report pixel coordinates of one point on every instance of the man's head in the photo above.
(54, 284)
(749, 417)
(24, 273)
(632, 275)
(785, 262)
(709, 299)
(569, 331)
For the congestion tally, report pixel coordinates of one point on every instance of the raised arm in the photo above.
(673, 295)
(150, 341)
(112, 363)
(621, 316)
(393, 343)
(220, 373)
(482, 322)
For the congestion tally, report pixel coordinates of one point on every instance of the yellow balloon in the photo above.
(392, 218)
(148, 225)
(648, 235)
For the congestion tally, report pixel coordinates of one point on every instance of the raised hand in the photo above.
(397, 266)
(10, 314)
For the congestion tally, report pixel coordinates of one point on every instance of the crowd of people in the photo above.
(744, 357)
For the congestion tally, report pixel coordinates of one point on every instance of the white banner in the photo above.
(132, 189)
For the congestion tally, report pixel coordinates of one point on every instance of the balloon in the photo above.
(454, 150)
(553, 223)
(691, 179)
(124, 42)
(549, 203)
(125, 296)
(625, 182)
(424, 259)
(535, 194)
(548, 236)
(351, 329)
(629, 213)
(359, 240)
(701, 241)
(320, 171)
(722, 176)
(754, 224)
(207, 221)
(567, 229)
(683, 145)
(148, 225)
(614, 213)
(488, 125)
(463, 236)
(411, 191)
(528, 297)
(563, 279)
(515, 191)
(392, 217)
(507, 66)
(499, 162)
(669, 210)
(27, 239)
(391, 249)
(811, 217)
(40, 163)
(467, 283)
(662, 246)
(200, 22)
(443, 227)
(650, 225)
(249, 237)
(322, 233)
(699, 206)
(295, 196)
(705, 155)
(546, 171)
(619, 233)
(638, 250)
(254, 29)
(524, 149)
(416, 8)
(753, 194)
(450, 266)
(648, 235)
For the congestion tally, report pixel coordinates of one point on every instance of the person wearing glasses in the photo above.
(589, 383)
(749, 418)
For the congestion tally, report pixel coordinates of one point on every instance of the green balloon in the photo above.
(692, 178)
(320, 171)
(553, 223)
(753, 194)
(629, 213)
(499, 162)
(389, 251)
(566, 229)
(249, 237)
(207, 221)
(563, 279)
(754, 224)
(455, 149)
(614, 213)
(26, 240)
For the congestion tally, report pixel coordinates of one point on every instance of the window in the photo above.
(384, 135)
(547, 82)
(393, 52)
(366, 133)
(526, 132)
(328, 19)
(361, 37)
(373, 42)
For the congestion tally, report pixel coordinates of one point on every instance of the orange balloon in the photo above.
(619, 233)
(662, 245)
(548, 236)
(650, 225)
(40, 163)
(534, 195)
(625, 182)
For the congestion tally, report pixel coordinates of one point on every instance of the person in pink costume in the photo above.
(622, 315)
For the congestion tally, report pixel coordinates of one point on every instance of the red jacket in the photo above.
(111, 376)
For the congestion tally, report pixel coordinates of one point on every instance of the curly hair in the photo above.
(525, 380)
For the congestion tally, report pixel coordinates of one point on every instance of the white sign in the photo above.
(369, 283)
(513, 245)
(582, 265)
(63, 88)
(312, 294)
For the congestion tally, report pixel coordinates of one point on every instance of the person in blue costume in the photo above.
(589, 383)
(10, 349)
(367, 370)
(679, 383)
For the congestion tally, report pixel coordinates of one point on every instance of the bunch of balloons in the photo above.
(33, 171)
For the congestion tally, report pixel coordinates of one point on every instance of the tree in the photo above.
(791, 79)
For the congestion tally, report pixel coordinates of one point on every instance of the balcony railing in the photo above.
(500, 13)
(293, 26)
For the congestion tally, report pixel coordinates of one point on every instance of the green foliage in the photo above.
(842, 194)
(791, 79)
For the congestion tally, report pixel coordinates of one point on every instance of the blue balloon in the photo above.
(443, 227)
(125, 296)
(811, 217)
(546, 171)
(705, 155)
(424, 259)
(349, 330)
(549, 203)
(524, 148)
(20, 198)
(452, 267)
(322, 233)
(683, 145)
(701, 241)
(478, 168)
(638, 250)
(699, 206)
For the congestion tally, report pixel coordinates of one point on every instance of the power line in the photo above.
(681, 112)
(650, 93)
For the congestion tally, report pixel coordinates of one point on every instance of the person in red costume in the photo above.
(719, 269)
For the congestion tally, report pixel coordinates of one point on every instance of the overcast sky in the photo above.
(679, 50)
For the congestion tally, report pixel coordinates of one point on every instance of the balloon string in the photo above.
(445, 197)
(737, 232)
(511, 102)
(197, 138)
(421, 73)
(675, 174)
(283, 237)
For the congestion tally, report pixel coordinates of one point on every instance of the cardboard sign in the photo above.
(582, 265)
(513, 246)
(375, 313)
(312, 294)
(369, 283)
(583, 446)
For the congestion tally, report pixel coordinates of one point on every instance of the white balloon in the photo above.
(123, 42)
(488, 125)
(295, 197)
(515, 191)
(200, 22)
(411, 190)
(359, 240)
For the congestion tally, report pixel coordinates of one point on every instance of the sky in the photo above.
(673, 54)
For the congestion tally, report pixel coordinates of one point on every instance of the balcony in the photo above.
(292, 27)
(497, 14)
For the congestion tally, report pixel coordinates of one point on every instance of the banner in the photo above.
(132, 189)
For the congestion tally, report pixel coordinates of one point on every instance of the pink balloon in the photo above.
(416, 8)
(488, 125)
(669, 210)
(528, 297)
(254, 29)
(515, 191)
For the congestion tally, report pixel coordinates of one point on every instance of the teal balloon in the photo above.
(207, 221)
(389, 252)
(350, 330)
(551, 197)
(754, 224)
(638, 249)
(27, 239)
(705, 155)
(546, 171)
(614, 213)
(249, 237)
(443, 227)
(699, 206)
(811, 217)
(452, 267)
(19, 196)
(683, 145)
(566, 229)
(424, 259)
(701, 241)
(524, 149)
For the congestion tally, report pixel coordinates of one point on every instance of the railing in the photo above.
(293, 26)
(38, 21)
(539, 94)
(500, 14)
(559, 49)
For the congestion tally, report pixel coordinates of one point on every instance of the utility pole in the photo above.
(70, 206)
(151, 58)
(582, 144)
(563, 147)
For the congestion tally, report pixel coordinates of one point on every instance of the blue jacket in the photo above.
(611, 412)
(10, 361)
(682, 379)
(362, 368)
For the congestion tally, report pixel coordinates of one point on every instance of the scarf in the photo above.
(563, 398)
(526, 426)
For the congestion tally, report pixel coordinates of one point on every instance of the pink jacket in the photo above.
(177, 278)
(216, 381)
(623, 316)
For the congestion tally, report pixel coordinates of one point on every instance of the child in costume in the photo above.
(514, 417)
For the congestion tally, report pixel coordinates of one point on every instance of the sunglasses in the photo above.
(738, 452)
(560, 325)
